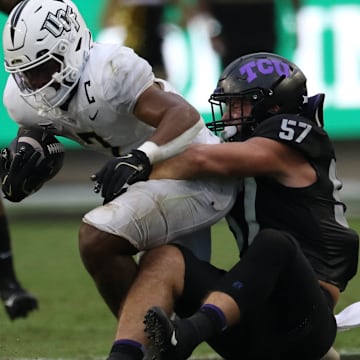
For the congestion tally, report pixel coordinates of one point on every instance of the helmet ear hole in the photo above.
(62, 47)
(274, 109)
(72, 76)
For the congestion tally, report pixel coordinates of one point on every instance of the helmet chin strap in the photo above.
(53, 113)
(228, 132)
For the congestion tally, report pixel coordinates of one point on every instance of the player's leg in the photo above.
(161, 281)
(109, 260)
(332, 354)
(149, 214)
(17, 301)
(274, 280)
(299, 312)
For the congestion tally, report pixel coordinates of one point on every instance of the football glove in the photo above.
(18, 180)
(6, 158)
(120, 172)
(31, 159)
(5, 162)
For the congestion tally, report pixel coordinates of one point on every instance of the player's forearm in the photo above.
(172, 169)
(157, 152)
(193, 163)
(175, 121)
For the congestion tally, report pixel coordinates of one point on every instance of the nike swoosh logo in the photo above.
(173, 339)
(10, 191)
(4, 180)
(94, 116)
(136, 168)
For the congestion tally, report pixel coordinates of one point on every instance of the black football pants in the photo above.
(285, 314)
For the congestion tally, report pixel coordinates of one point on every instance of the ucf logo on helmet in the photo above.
(265, 67)
(62, 21)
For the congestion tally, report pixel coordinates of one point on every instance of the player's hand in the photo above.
(16, 173)
(120, 172)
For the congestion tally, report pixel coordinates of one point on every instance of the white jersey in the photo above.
(100, 113)
(100, 117)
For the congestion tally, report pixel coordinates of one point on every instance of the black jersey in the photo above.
(314, 215)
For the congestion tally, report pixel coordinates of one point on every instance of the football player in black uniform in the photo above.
(297, 250)
(17, 301)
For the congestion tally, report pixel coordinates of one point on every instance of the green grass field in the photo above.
(73, 322)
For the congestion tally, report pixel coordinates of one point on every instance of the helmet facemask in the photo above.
(54, 91)
(228, 129)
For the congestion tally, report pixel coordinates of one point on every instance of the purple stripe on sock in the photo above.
(218, 311)
(128, 342)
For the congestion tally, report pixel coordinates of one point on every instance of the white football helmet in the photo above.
(46, 45)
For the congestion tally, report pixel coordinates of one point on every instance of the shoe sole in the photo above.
(159, 328)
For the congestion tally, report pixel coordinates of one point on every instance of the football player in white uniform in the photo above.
(106, 98)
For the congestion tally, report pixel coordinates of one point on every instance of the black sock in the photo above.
(216, 315)
(127, 350)
(6, 261)
(201, 326)
(208, 321)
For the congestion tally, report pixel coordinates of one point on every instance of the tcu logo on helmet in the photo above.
(265, 67)
(62, 21)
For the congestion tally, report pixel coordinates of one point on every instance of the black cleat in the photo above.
(161, 331)
(152, 353)
(17, 301)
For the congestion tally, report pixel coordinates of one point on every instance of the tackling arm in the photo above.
(254, 157)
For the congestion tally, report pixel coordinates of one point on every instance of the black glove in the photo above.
(17, 175)
(120, 172)
(6, 157)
